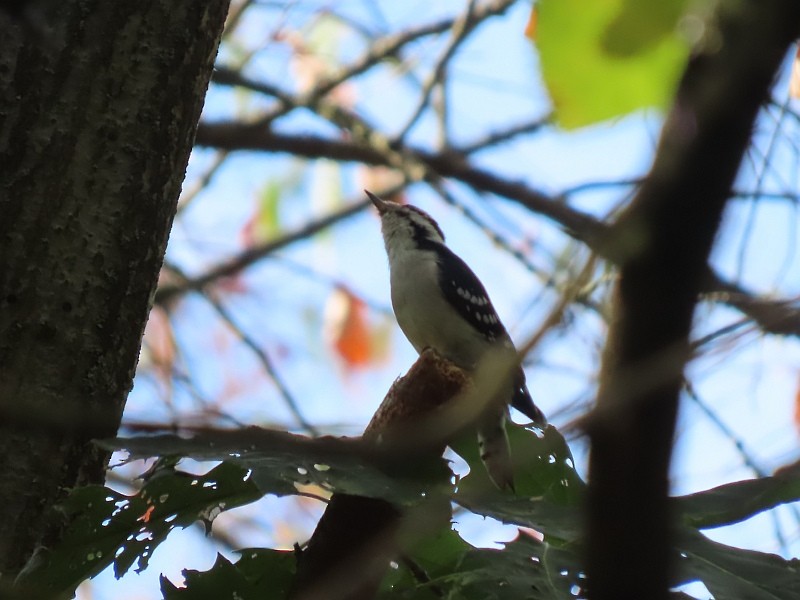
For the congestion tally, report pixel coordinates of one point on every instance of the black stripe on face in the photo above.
(427, 218)
(422, 237)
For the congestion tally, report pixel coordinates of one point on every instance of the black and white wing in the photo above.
(465, 292)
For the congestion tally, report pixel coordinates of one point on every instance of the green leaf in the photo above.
(547, 487)
(267, 223)
(444, 565)
(543, 465)
(641, 26)
(260, 574)
(738, 501)
(280, 461)
(606, 58)
(436, 555)
(735, 573)
(547, 499)
(559, 524)
(525, 568)
(107, 527)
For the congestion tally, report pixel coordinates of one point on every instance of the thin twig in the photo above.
(697, 344)
(256, 253)
(591, 186)
(779, 317)
(379, 50)
(556, 314)
(503, 135)
(265, 361)
(460, 30)
(489, 232)
(747, 457)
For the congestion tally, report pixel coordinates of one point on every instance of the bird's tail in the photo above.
(523, 402)
(495, 450)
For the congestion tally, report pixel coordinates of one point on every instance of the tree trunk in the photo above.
(662, 242)
(99, 103)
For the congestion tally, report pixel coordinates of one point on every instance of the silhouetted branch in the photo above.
(458, 34)
(356, 537)
(661, 243)
(773, 316)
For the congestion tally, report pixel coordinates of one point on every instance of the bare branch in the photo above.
(459, 32)
(780, 317)
(503, 135)
(261, 355)
(252, 255)
(356, 537)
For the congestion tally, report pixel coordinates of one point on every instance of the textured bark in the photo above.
(356, 537)
(99, 103)
(662, 243)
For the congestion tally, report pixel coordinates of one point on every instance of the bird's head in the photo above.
(405, 226)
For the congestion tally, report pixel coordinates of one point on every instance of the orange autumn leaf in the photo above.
(530, 26)
(347, 328)
(145, 518)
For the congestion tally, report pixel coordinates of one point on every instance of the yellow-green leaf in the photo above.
(605, 58)
(640, 26)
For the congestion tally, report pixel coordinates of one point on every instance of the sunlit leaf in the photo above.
(607, 58)
(640, 26)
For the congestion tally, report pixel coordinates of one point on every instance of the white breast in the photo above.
(426, 318)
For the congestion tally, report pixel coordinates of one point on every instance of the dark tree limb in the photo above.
(97, 119)
(356, 537)
(772, 316)
(662, 242)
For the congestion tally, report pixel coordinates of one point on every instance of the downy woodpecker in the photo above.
(441, 304)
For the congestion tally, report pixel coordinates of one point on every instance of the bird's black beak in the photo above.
(381, 205)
